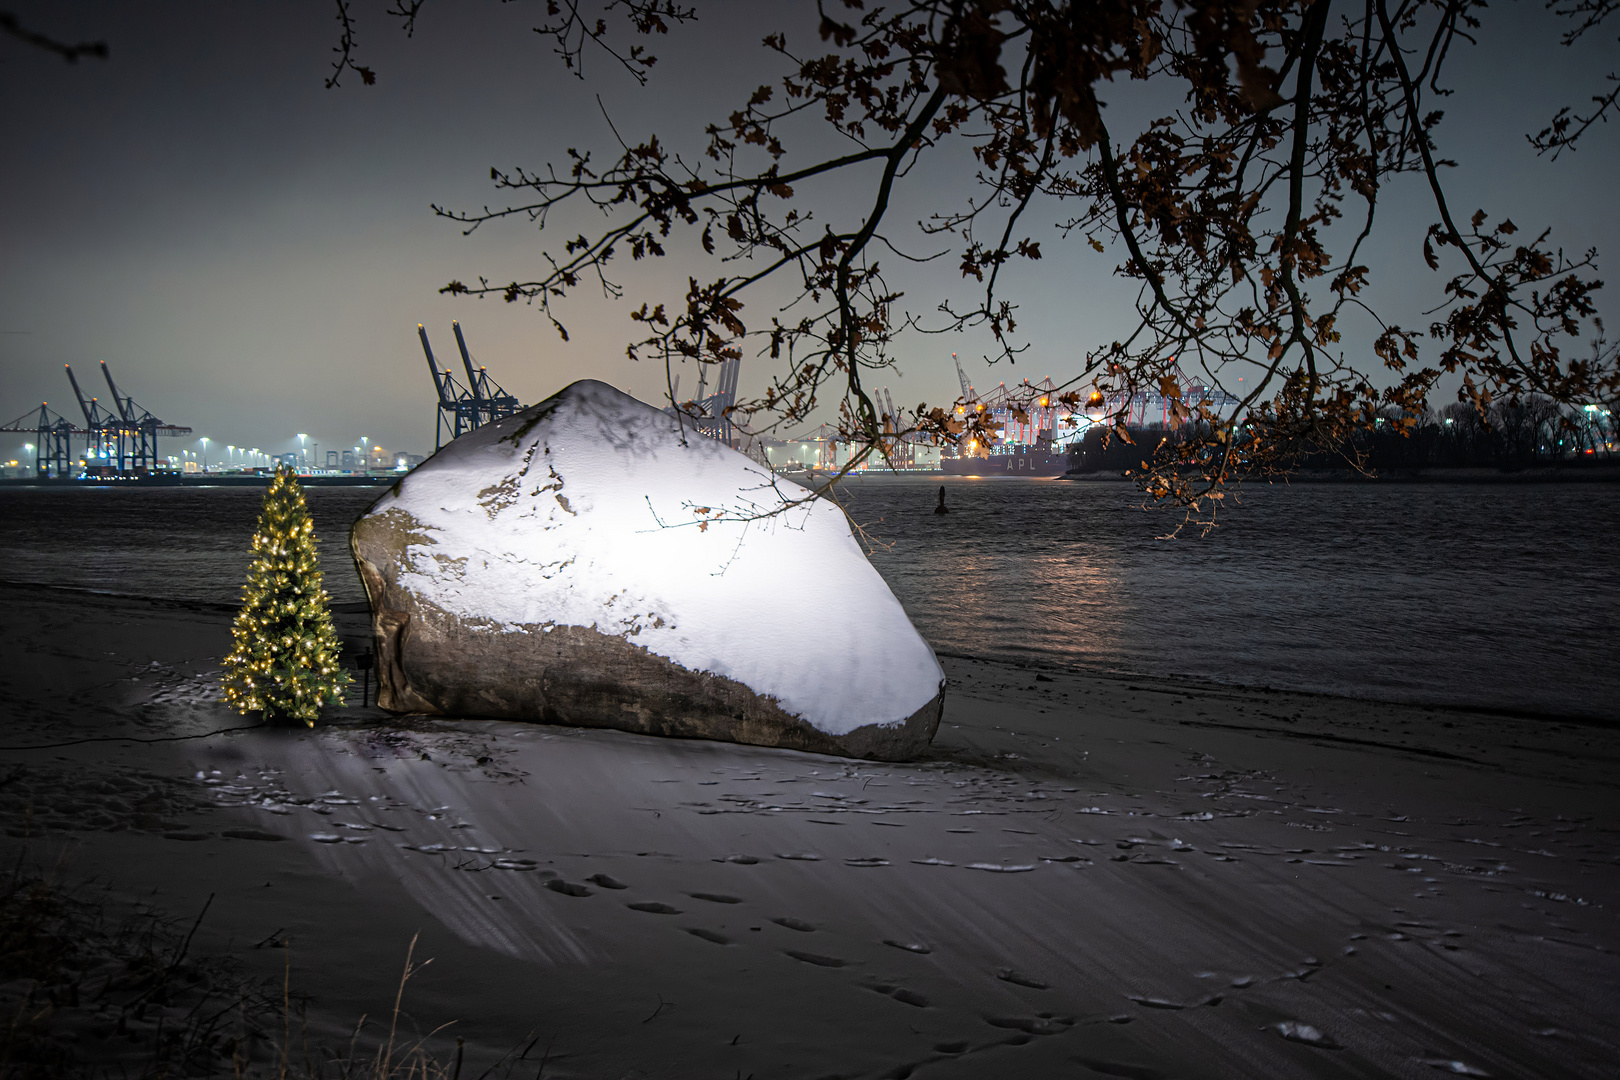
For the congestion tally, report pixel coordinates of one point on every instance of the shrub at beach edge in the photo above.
(285, 661)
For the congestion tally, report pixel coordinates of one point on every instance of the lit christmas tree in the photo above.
(285, 663)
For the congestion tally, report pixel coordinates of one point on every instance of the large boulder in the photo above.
(590, 562)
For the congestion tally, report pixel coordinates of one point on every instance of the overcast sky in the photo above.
(251, 252)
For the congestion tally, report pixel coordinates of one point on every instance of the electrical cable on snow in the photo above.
(134, 738)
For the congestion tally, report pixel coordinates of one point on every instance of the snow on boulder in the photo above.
(581, 563)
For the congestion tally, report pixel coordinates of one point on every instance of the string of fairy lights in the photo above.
(284, 664)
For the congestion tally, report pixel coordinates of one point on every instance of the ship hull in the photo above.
(1025, 463)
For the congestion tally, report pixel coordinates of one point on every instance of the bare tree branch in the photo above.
(69, 52)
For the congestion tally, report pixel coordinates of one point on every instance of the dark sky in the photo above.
(251, 252)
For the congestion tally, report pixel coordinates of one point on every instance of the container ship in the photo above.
(1031, 424)
(1009, 460)
(1035, 429)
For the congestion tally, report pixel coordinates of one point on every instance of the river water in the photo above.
(1503, 596)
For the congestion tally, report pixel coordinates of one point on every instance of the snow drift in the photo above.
(584, 563)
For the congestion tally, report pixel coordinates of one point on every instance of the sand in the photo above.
(1089, 877)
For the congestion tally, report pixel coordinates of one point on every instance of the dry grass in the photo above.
(85, 993)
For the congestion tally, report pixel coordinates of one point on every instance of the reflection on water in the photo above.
(180, 543)
(1503, 596)
(1491, 595)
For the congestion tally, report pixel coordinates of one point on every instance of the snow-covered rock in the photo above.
(581, 563)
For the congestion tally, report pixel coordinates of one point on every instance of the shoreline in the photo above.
(1603, 473)
(1083, 877)
(1600, 473)
(354, 622)
(193, 481)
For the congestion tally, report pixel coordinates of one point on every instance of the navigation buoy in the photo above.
(942, 508)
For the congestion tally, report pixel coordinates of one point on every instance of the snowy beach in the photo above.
(1087, 876)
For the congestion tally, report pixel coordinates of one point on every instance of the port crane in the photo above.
(961, 377)
(126, 438)
(710, 413)
(464, 408)
(53, 440)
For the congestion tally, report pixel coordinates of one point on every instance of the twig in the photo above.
(70, 53)
(662, 1004)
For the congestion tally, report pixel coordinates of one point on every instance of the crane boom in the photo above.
(466, 360)
(482, 401)
(87, 406)
(118, 399)
(433, 366)
(961, 377)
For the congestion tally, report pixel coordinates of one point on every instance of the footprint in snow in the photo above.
(1044, 1024)
(607, 881)
(708, 935)
(1123, 1069)
(715, 898)
(866, 862)
(909, 946)
(900, 994)
(795, 924)
(654, 908)
(800, 856)
(1018, 978)
(1294, 1031)
(816, 958)
(1460, 1068)
(567, 888)
(742, 860)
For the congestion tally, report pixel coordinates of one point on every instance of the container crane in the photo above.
(100, 430)
(128, 437)
(53, 441)
(961, 377)
(464, 408)
(711, 413)
(489, 400)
